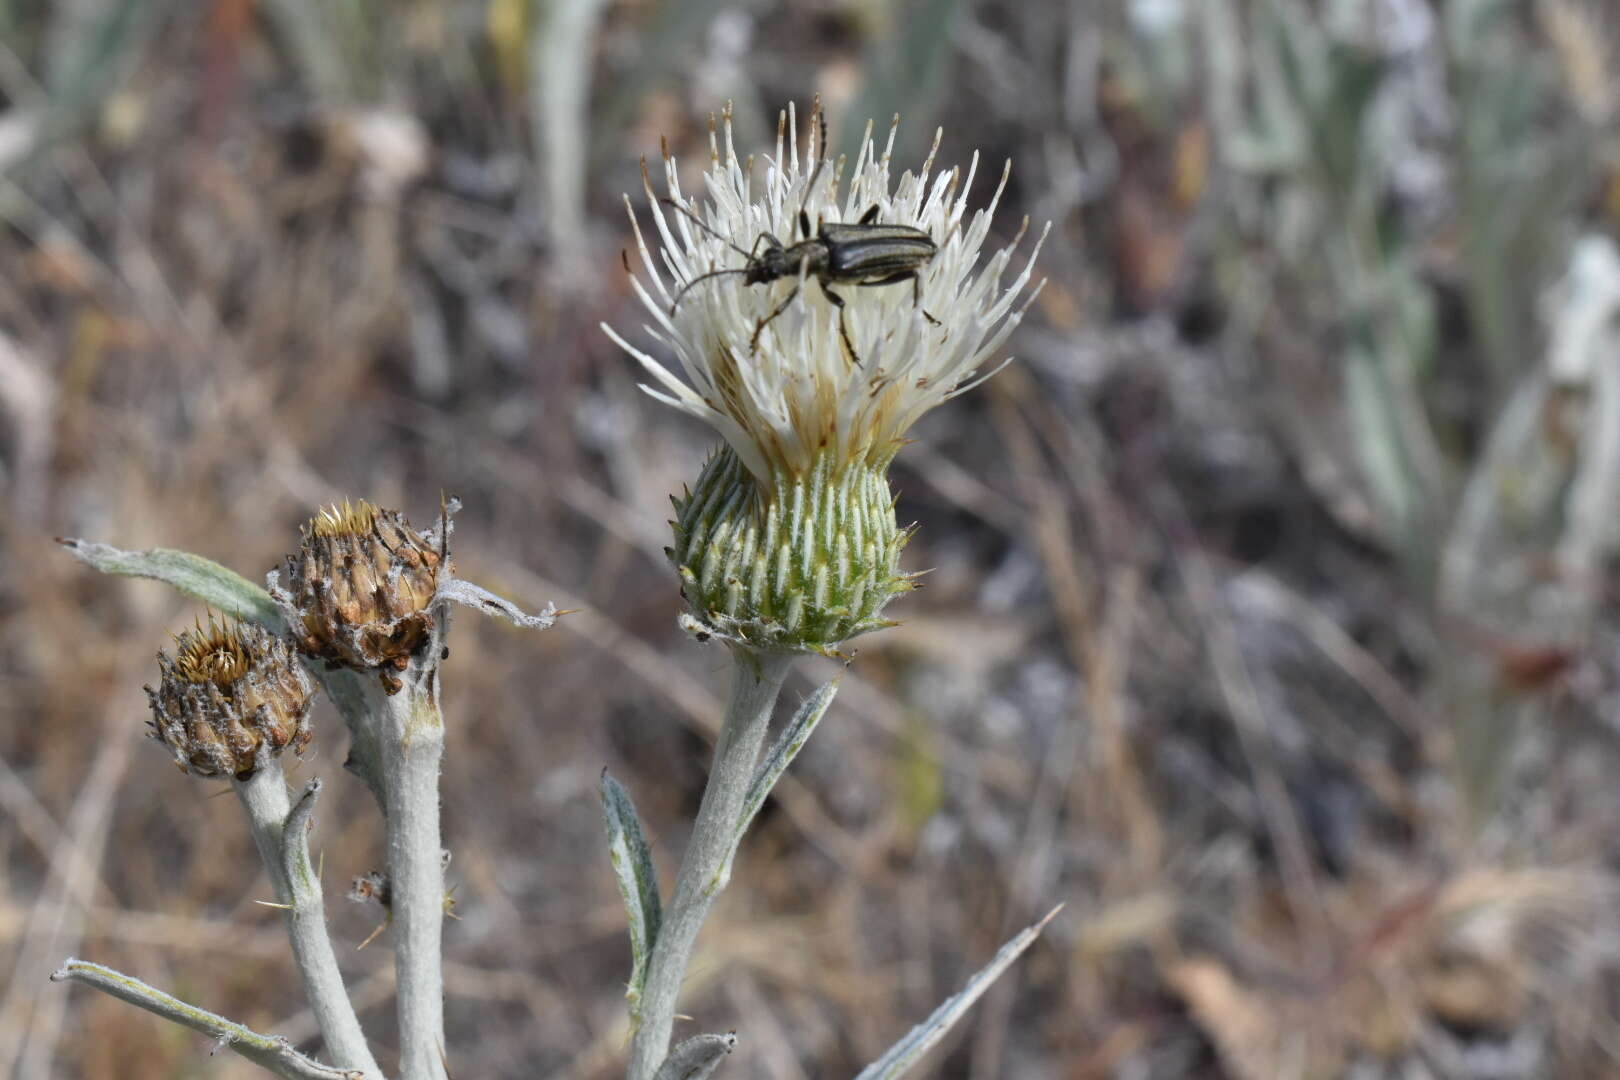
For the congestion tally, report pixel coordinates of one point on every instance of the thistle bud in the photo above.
(230, 697)
(802, 563)
(362, 587)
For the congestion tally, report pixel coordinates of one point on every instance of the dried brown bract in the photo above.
(362, 588)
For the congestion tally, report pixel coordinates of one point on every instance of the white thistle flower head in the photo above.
(789, 538)
(784, 396)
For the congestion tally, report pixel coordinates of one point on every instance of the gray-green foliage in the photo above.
(1315, 143)
(1385, 159)
(1522, 162)
(220, 587)
(781, 755)
(638, 883)
(1364, 150)
(85, 51)
(697, 1058)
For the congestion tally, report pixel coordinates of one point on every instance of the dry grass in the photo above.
(1165, 669)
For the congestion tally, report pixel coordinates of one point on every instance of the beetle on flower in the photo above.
(868, 254)
(789, 539)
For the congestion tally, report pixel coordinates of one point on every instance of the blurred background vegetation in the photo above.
(1272, 620)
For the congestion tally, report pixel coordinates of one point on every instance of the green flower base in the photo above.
(802, 565)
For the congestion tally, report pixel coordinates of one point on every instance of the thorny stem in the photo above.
(280, 834)
(412, 745)
(756, 680)
(267, 1051)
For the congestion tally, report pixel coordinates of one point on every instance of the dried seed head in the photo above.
(230, 697)
(362, 587)
(803, 563)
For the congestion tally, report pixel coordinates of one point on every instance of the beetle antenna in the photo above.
(821, 159)
(673, 205)
(699, 280)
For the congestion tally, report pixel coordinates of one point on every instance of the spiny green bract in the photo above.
(804, 564)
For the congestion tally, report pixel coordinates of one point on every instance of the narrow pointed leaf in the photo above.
(787, 747)
(222, 589)
(697, 1058)
(638, 882)
(920, 1039)
(269, 1052)
(295, 860)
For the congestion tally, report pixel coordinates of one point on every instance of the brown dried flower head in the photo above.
(229, 697)
(362, 587)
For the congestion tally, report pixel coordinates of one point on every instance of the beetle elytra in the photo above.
(865, 253)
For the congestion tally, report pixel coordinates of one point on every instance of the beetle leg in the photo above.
(916, 288)
(843, 330)
(753, 343)
(870, 215)
(917, 300)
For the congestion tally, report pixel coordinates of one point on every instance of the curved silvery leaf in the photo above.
(638, 882)
(217, 586)
(919, 1040)
(465, 593)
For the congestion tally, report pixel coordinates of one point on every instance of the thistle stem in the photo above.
(412, 745)
(280, 833)
(756, 680)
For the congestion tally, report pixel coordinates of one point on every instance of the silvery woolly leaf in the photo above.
(788, 745)
(697, 1058)
(638, 881)
(222, 589)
